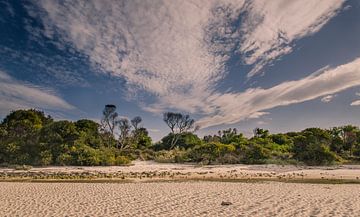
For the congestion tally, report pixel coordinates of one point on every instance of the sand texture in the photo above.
(178, 199)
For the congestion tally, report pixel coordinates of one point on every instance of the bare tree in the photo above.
(178, 124)
(135, 122)
(171, 120)
(109, 121)
(125, 129)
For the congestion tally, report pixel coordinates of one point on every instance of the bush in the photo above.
(146, 154)
(86, 156)
(210, 152)
(313, 152)
(165, 157)
(107, 157)
(64, 159)
(185, 140)
(228, 158)
(173, 156)
(256, 154)
(45, 158)
(122, 160)
(317, 154)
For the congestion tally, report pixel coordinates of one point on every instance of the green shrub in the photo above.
(45, 158)
(183, 140)
(228, 158)
(64, 159)
(210, 152)
(146, 154)
(107, 156)
(122, 160)
(173, 156)
(312, 152)
(256, 154)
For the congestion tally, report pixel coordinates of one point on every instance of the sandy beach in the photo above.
(147, 188)
(149, 171)
(178, 199)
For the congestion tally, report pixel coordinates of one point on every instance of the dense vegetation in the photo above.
(30, 137)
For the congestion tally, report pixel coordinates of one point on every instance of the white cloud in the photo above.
(327, 98)
(256, 100)
(17, 95)
(176, 50)
(355, 103)
(155, 46)
(271, 27)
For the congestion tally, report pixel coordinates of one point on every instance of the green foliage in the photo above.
(260, 133)
(45, 158)
(184, 140)
(256, 154)
(210, 152)
(64, 159)
(313, 149)
(226, 137)
(19, 136)
(28, 137)
(89, 133)
(175, 155)
(142, 139)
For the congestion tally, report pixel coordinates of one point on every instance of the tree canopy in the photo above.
(31, 137)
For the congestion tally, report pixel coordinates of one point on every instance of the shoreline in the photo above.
(149, 171)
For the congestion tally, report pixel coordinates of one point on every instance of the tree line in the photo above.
(30, 137)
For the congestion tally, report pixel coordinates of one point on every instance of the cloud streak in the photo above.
(254, 101)
(17, 95)
(355, 103)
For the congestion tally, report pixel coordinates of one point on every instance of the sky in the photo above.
(280, 65)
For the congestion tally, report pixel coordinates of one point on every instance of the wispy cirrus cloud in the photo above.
(18, 95)
(176, 51)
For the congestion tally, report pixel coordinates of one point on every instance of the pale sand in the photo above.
(178, 199)
(150, 171)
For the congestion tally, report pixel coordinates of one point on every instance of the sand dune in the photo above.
(178, 199)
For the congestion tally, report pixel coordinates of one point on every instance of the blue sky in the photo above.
(281, 65)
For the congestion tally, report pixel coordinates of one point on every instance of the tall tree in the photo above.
(124, 137)
(19, 137)
(135, 122)
(109, 121)
(178, 124)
